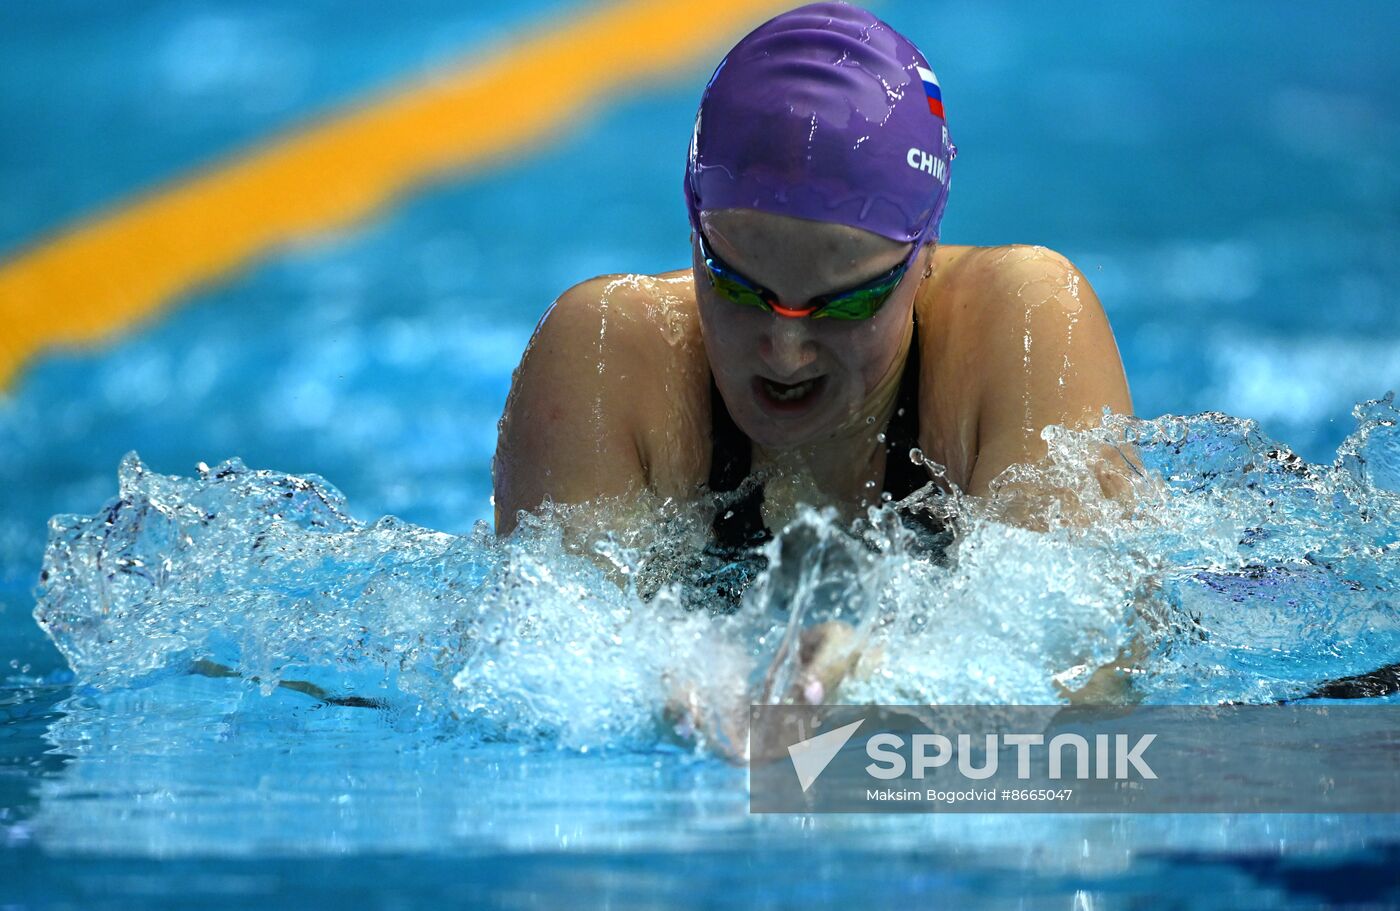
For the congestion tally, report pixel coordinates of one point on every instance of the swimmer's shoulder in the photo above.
(1023, 342)
(673, 417)
(647, 323)
(984, 296)
(621, 307)
(981, 304)
(631, 351)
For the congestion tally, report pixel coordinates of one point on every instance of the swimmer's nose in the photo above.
(787, 347)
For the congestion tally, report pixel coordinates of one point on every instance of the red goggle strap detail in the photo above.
(788, 311)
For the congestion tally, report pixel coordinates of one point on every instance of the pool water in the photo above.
(1238, 223)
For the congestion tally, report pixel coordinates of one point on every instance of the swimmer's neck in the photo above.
(844, 469)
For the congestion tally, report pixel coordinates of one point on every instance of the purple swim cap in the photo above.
(824, 113)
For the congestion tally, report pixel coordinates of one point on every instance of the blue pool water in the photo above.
(1226, 181)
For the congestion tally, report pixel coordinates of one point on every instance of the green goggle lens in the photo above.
(860, 303)
(736, 292)
(854, 304)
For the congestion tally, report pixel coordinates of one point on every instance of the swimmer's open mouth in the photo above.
(788, 396)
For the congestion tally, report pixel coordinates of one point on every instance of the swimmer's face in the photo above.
(793, 381)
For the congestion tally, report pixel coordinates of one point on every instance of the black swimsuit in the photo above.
(738, 524)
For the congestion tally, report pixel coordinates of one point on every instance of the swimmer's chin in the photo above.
(775, 432)
(775, 437)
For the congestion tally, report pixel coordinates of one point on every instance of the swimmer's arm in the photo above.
(1050, 358)
(567, 433)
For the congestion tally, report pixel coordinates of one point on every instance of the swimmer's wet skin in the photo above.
(816, 180)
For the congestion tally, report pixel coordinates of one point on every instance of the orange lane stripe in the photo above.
(100, 276)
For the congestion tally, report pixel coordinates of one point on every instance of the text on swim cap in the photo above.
(920, 160)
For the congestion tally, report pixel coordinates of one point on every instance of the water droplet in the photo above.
(880, 436)
(916, 455)
(870, 420)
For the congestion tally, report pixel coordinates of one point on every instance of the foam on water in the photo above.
(1242, 572)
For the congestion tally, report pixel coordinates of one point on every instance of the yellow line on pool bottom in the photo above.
(102, 275)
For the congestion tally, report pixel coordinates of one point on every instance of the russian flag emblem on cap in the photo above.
(934, 93)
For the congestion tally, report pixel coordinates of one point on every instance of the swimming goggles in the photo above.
(860, 302)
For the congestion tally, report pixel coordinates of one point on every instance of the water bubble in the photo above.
(1174, 430)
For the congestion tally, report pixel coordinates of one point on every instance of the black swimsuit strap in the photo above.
(902, 476)
(739, 525)
(731, 451)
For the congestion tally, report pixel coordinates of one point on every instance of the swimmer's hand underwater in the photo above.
(717, 716)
